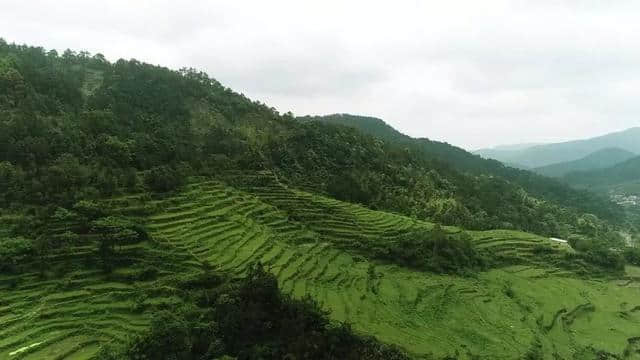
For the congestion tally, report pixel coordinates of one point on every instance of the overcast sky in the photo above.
(472, 73)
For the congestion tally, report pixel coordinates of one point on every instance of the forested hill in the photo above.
(627, 171)
(600, 159)
(465, 162)
(75, 127)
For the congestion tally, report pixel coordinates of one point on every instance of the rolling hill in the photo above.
(598, 160)
(543, 155)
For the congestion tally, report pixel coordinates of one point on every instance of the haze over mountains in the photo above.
(599, 159)
(547, 154)
(624, 172)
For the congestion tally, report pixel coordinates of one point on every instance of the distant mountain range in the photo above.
(515, 147)
(546, 154)
(599, 159)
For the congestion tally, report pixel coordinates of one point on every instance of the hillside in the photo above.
(622, 173)
(80, 127)
(464, 162)
(543, 155)
(153, 213)
(597, 160)
(315, 246)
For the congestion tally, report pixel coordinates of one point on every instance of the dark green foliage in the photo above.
(76, 127)
(632, 255)
(249, 319)
(434, 251)
(597, 252)
(493, 188)
(113, 231)
(626, 171)
(163, 178)
(13, 252)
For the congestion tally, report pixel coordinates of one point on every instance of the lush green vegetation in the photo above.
(76, 127)
(134, 201)
(315, 246)
(487, 186)
(248, 319)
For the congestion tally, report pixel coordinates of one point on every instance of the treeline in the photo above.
(76, 127)
(247, 319)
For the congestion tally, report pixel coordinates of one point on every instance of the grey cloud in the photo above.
(473, 73)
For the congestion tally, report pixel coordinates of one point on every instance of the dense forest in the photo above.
(77, 127)
(446, 155)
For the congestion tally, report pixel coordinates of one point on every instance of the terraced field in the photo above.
(312, 244)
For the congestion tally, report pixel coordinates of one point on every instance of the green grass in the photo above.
(312, 244)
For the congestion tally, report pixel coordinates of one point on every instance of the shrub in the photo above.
(13, 252)
(433, 250)
(632, 255)
(163, 178)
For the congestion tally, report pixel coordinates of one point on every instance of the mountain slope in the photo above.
(597, 160)
(624, 172)
(452, 155)
(80, 127)
(542, 155)
(465, 162)
(314, 245)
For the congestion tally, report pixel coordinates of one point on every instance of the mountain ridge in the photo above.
(457, 158)
(599, 159)
(626, 171)
(547, 154)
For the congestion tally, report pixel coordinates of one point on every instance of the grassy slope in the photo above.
(310, 243)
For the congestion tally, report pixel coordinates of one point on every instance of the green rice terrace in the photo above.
(527, 299)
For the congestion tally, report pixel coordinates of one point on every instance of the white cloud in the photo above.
(473, 73)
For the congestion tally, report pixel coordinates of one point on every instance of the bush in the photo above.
(163, 178)
(632, 255)
(433, 250)
(13, 252)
